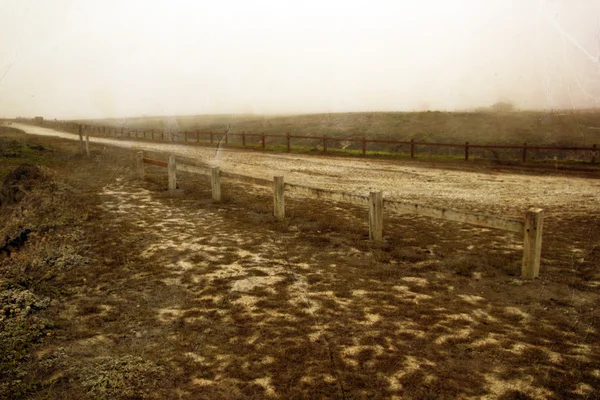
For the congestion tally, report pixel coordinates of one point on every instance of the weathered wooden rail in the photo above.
(530, 226)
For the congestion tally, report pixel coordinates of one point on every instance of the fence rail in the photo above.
(248, 139)
(156, 162)
(530, 227)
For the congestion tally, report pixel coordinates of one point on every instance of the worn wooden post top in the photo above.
(278, 198)
(532, 243)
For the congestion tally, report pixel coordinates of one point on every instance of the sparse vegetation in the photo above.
(499, 124)
(120, 291)
(534, 127)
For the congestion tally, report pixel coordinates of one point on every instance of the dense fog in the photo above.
(97, 59)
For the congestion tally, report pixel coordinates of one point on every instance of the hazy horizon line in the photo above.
(280, 115)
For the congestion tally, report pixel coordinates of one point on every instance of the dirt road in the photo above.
(485, 191)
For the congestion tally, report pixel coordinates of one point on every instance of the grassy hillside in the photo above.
(13, 151)
(533, 127)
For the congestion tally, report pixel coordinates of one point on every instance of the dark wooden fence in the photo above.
(501, 152)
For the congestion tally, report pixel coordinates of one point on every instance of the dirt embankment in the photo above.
(120, 291)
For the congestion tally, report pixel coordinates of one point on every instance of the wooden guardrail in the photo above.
(530, 226)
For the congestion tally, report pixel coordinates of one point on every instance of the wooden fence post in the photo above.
(466, 151)
(278, 198)
(263, 140)
(376, 216)
(172, 167)
(216, 183)
(364, 146)
(524, 158)
(82, 146)
(532, 243)
(87, 143)
(140, 165)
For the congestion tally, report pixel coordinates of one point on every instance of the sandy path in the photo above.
(491, 193)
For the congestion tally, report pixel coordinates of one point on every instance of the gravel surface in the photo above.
(489, 192)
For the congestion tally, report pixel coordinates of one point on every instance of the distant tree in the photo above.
(502, 106)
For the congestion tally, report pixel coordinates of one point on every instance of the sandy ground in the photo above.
(509, 194)
(220, 301)
(248, 267)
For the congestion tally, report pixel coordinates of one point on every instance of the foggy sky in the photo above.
(95, 59)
